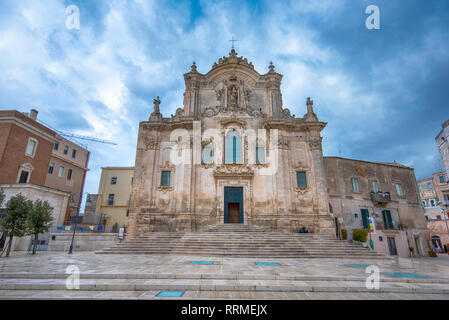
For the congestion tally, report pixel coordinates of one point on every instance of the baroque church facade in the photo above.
(232, 154)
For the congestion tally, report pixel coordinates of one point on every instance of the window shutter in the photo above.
(365, 215)
(228, 149)
(260, 155)
(165, 178)
(301, 179)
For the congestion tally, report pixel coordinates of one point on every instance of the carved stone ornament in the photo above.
(315, 143)
(233, 170)
(164, 189)
(233, 58)
(207, 165)
(301, 190)
(151, 143)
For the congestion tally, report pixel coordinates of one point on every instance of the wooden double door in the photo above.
(233, 204)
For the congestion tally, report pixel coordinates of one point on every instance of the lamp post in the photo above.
(88, 202)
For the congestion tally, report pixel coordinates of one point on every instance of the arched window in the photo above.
(233, 148)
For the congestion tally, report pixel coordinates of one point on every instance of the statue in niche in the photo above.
(234, 96)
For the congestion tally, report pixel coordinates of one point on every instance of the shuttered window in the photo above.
(365, 216)
(165, 178)
(301, 179)
(388, 222)
(260, 155)
(233, 148)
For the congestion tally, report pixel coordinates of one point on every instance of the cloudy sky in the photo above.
(384, 93)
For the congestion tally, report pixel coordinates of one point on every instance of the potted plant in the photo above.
(344, 234)
(115, 227)
(432, 254)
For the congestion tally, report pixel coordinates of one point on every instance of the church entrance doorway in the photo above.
(233, 204)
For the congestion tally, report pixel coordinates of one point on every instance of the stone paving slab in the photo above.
(142, 277)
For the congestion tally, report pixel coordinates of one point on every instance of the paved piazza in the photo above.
(143, 276)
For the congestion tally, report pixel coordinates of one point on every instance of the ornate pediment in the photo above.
(233, 59)
(233, 170)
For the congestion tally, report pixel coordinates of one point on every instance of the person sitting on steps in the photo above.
(303, 230)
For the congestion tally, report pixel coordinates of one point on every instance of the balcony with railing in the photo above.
(380, 197)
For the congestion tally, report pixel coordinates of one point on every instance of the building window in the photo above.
(355, 185)
(56, 146)
(424, 204)
(446, 199)
(442, 179)
(69, 174)
(73, 153)
(301, 179)
(375, 187)
(114, 180)
(260, 155)
(233, 148)
(23, 176)
(207, 155)
(111, 199)
(61, 171)
(432, 202)
(427, 217)
(66, 149)
(51, 167)
(31, 147)
(399, 190)
(365, 216)
(388, 222)
(127, 213)
(165, 178)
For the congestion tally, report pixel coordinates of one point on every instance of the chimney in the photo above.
(33, 114)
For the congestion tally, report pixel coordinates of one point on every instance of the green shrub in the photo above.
(344, 234)
(432, 253)
(115, 226)
(359, 235)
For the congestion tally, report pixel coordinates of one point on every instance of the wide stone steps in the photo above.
(28, 283)
(241, 241)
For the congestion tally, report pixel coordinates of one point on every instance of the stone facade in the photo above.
(362, 189)
(231, 132)
(443, 146)
(434, 194)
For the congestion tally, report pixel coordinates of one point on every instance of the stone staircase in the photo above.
(244, 241)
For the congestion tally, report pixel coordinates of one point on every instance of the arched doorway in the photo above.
(436, 242)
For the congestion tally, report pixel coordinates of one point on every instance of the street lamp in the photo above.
(72, 203)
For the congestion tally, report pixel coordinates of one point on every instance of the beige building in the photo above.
(112, 201)
(359, 190)
(67, 170)
(443, 146)
(232, 154)
(434, 194)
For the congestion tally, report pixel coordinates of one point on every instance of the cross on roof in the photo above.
(233, 40)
